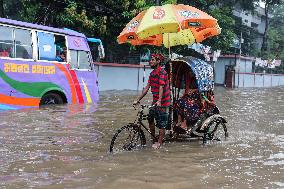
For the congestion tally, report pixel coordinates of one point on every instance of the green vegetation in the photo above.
(275, 40)
(106, 19)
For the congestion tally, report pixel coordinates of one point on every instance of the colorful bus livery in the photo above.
(41, 65)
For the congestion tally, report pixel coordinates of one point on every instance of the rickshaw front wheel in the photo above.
(127, 138)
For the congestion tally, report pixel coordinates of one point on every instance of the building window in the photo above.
(254, 25)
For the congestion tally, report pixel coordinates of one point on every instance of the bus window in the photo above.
(51, 47)
(83, 60)
(23, 44)
(46, 46)
(6, 42)
(61, 50)
(80, 59)
(74, 59)
(15, 43)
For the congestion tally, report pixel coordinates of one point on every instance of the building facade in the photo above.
(253, 19)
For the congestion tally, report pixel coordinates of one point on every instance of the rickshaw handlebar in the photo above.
(143, 106)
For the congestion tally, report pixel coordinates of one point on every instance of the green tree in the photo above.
(276, 31)
(275, 39)
(269, 4)
(226, 22)
(106, 19)
(2, 14)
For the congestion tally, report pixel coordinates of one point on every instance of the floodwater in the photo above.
(66, 147)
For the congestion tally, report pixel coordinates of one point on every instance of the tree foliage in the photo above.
(275, 48)
(276, 32)
(106, 19)
(226, 22)
(268, 6)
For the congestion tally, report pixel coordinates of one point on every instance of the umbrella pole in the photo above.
(170, 63)
(144, 75)
(171, 85)
(169, 46)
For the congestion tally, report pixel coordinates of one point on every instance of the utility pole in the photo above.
(241, 41)
(157, 2)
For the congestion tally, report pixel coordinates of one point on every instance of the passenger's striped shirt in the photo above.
(157, 78)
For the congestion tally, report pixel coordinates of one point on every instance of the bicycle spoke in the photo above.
(127, 138)
(216, 131)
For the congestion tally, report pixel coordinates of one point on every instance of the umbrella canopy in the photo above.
(202, 71)
(169, 25)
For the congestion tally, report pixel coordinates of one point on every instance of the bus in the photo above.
(41, 65)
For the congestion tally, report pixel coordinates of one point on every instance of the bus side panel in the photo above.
(89, 85)
(22, 83)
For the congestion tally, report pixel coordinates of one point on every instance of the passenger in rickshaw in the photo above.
(190, 106)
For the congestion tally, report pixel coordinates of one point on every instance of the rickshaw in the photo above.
(210, 127)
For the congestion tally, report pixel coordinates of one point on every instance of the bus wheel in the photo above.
(51, 98)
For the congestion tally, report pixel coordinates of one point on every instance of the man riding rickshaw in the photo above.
(190, 114)
(172, 25)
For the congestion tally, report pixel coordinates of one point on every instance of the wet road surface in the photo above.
(66, 147)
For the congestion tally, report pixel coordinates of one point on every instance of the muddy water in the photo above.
(66, 147)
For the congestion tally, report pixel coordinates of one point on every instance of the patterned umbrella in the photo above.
(169, 25)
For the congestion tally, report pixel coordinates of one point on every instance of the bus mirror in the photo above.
(101, 51)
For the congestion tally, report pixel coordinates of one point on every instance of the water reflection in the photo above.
(67, 147)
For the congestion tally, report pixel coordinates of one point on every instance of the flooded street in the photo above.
(67, 147)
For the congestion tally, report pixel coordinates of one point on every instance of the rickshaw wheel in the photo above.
(216, 131)
(127, 138)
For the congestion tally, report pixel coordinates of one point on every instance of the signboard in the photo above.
(145, 57)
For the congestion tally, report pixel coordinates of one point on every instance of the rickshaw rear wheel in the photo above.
(216, 131)
(127, 138)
